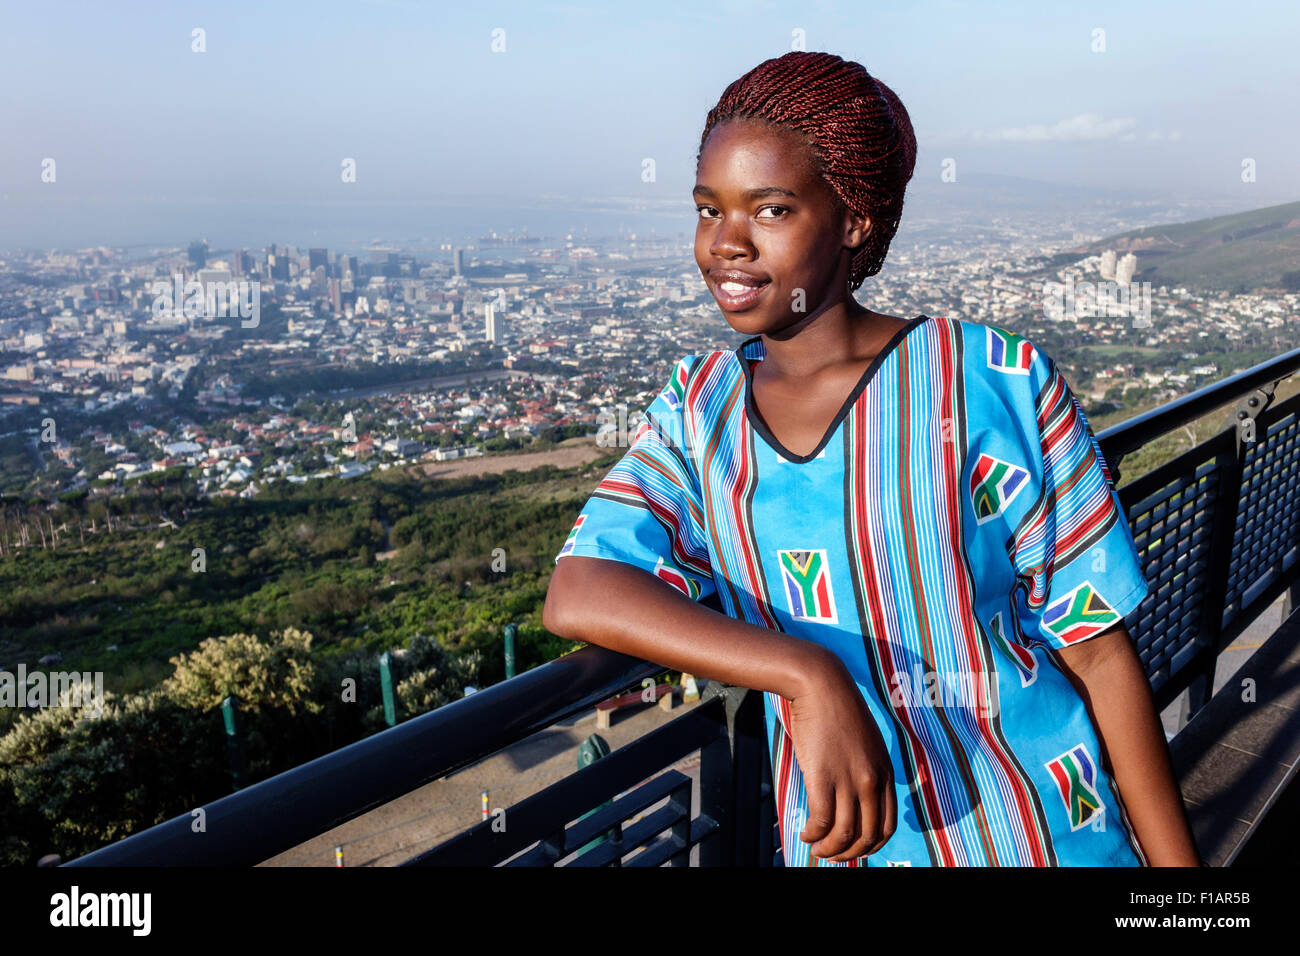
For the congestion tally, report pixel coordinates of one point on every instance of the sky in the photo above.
(144, 130)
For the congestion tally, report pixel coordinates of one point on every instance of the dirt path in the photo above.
(582, 451)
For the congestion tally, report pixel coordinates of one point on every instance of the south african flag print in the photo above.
(808, 585)
(1008, 352)
(1079, 614)
(1075, 776)
(994, 484)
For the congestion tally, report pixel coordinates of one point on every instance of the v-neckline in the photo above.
(756, 419)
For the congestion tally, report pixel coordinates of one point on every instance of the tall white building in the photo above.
(1125, 269)
(1108, 264)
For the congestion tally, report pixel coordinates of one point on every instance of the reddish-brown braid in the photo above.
(859, 133)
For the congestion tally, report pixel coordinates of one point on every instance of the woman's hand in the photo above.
(852, 809)
(843, 758)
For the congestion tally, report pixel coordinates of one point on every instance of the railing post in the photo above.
(234, 743)
(1219, 556)
(591, 750)
(732, 788)
(754, 807)
(386, 685)
(717, 788)
(512, 631)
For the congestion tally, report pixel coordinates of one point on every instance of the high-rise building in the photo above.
(1125, 269)
(495, 322)
(198, 253)
(316, 257)
(336, 296)
(458, 260)
(1107, 269)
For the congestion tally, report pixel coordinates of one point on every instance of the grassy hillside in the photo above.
(300, 556)
(296, 593)
(1163, 449)
(1247, 251)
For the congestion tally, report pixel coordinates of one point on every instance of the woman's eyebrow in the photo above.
(752, 194)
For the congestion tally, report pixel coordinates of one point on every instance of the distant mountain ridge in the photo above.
(1248, 251)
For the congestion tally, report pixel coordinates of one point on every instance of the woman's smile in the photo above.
(737, 292)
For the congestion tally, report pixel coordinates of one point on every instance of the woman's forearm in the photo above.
(629, 610)
(1119, 699)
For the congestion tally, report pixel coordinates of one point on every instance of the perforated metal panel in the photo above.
(1215, 532)
(1267, 535)
(1171, 529)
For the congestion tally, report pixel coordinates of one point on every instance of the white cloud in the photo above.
(1085, 126)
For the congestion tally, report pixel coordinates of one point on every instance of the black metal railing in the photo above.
(1218, 528)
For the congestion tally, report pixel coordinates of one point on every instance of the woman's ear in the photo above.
(856, 230)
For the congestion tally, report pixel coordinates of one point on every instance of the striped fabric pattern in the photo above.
(956, 526)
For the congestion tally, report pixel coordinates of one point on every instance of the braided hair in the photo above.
(859, 134)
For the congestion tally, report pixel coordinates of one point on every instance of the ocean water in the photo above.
(146, 223)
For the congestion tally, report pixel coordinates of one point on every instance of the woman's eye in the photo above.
(779, 211)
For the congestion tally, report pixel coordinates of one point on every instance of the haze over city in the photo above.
(467, 118)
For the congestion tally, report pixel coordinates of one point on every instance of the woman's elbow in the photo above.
(557, 609)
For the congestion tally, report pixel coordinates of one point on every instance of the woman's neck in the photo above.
(845, 333)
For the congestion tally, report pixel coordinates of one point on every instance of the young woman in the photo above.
(909, 524)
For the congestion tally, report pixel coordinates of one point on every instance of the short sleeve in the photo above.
(647, 511)
(1073, 551)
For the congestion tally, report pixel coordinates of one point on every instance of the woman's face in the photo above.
(765, 212)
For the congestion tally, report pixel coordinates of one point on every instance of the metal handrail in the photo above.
(1129, 435)
(297, 805)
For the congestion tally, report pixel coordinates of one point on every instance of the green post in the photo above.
(386, 684)
(589, 751)
(234, 742)
(511, 632)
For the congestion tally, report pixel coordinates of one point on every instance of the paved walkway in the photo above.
(1238, 759)
(1233, 656)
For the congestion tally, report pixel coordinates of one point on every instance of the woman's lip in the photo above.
(740, 301)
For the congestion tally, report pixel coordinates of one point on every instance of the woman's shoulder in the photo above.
(1009, 362)
(696, 400)
(694, 376)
